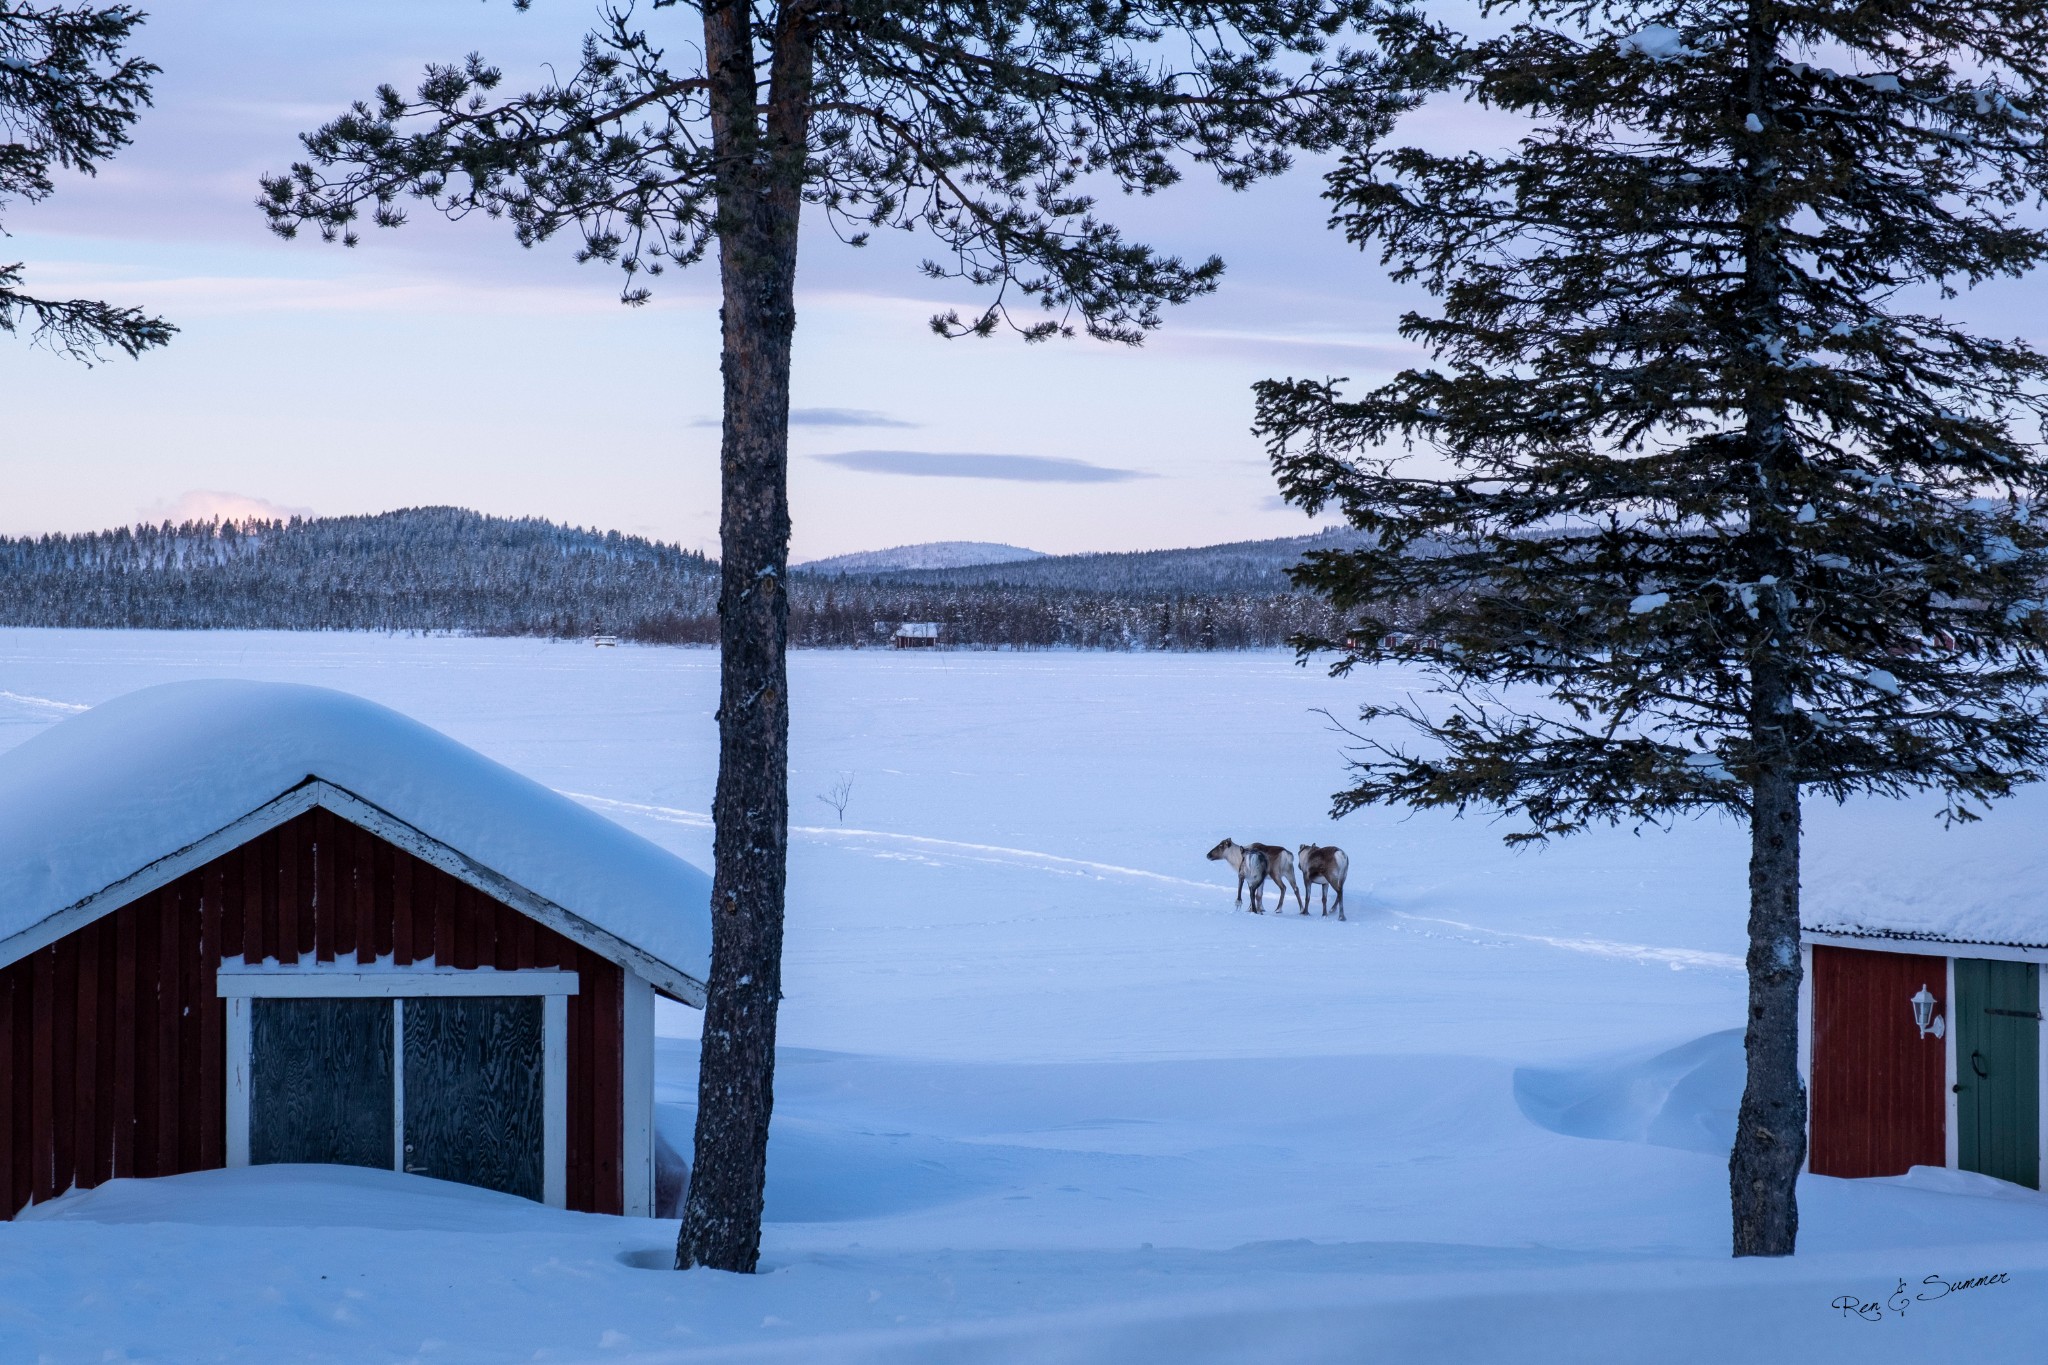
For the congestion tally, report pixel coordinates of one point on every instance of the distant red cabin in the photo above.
(243, 923)
(916, 635)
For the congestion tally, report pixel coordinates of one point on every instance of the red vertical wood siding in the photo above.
(1879, 1088)
(113, 1039)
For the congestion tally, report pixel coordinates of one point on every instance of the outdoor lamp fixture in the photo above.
(1924, 1017)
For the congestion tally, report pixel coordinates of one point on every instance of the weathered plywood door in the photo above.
(1879, 1086)
(1998, 1069)
(474, 1091)
(320, 1082)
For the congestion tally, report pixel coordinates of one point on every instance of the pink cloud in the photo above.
(211, 504)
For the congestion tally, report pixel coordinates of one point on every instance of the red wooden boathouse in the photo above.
(244, 923)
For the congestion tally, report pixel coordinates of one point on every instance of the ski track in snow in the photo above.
(64, 708)
(1599, 947)
(1675, 958)
(1051, 862)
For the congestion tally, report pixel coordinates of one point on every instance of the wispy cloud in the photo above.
(934, 464)
(843, 417)
(829, 417)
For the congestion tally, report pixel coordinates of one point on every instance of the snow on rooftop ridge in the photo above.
(101, 795)
(1889, 870)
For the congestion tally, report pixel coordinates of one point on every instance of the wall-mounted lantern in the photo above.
(1924, 1017)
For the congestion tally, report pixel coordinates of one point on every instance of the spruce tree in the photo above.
(1713, 507)
(67, 100)
(990, 126)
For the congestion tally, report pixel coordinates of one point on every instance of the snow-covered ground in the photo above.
(1047, 1096)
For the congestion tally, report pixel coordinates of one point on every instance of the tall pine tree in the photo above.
(67, 100)
(989, 125)
(1718, 512)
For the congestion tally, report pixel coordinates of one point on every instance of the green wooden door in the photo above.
(1998, 1069)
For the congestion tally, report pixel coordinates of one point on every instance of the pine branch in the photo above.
(79, 328)
(67, 99)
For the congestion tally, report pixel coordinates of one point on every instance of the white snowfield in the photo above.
(130, 783)
(1045, 1095)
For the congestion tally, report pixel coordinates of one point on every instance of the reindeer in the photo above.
(1329, 865)
(1254, 867)
(1274, 864)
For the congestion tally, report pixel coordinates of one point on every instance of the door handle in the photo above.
(1977, 1065)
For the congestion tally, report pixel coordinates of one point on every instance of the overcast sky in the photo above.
(443, 364)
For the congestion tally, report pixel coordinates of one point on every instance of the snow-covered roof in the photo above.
(144, 778)
(1889, 870)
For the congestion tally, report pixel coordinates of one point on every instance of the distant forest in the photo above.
(445, 569)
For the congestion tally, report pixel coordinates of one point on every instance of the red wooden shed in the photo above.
(245, 923)
(1921, 1045)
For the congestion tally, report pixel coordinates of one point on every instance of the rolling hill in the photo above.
(936, 554)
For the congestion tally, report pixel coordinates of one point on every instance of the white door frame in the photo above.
(636, 1167)
(1951, 1113)
(239, 984)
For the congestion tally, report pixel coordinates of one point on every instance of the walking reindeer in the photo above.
(1327, 864)
(1257, 864)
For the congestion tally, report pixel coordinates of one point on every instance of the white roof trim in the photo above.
(316, 792)
(321, 982)
(1933, 945)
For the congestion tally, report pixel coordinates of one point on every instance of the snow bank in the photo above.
(1685, 1097)
(298, 1196)
(103, 794)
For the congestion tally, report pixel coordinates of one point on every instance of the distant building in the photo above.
(916, 635)
(605, 641)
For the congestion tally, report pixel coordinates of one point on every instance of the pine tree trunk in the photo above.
(759, 210)
(1770, 1131)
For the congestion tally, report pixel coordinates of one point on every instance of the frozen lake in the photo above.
(1046, 1093)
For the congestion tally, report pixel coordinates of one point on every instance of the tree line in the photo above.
(447, 569)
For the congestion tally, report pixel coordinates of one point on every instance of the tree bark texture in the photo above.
(758, 211)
